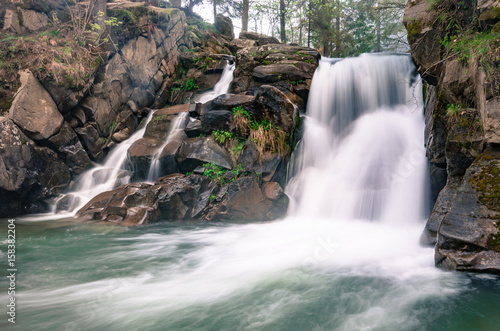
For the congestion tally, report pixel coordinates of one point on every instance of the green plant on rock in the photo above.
(221, 136)
(190, 85)
(215, 172)
(241, 119)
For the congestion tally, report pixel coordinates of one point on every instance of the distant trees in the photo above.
(335, 27)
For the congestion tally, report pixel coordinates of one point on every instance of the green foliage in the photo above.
(453, 110)
(219, 174)
(221, 136)
(240, 111)
(190, 85)
(212, 197)
(265, 62)
(214, 172)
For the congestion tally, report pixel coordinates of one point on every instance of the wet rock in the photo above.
(217, 120)
(140, 155)
(193, 128)
(159, 126)
(33, 110)
(91, 141)
(132, 204)
(244, 201)
(276, 72)
(69, 148)
(28, 173)
(196, 151)
(468, 236)
(273, 104)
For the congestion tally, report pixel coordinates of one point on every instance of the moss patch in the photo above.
(414, 29)
(487, 184)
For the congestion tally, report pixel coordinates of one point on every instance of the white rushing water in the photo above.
(346, 258)
(176, 130)
(105, 177)
(221, 87)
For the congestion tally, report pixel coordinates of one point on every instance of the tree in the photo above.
(282, 21)
(244, 16)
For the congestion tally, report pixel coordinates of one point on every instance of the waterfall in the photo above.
(176, 131)
(221, 87)
(362, 155)
(104, 177)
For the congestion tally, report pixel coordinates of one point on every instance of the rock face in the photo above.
(462, 127)
(28, 173)
(179, 197)
(226, 160)
(34, 110)
(71, 126)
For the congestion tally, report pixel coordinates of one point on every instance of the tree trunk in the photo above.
(337, 31)
(98, 14)
(309, 25)
(378, 47)
(215, 9)
(282, 21)
(244, 16)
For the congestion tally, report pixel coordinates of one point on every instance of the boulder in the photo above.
(469, 233)
(182, 197)
(230, 101)
(172, 198)
(140, 154)
(260, 39)
(69, 148)
(244, 201)
(159, 126)
(195, 152)
(224, 25)
(28, 173)
(276, 72)
(269, 166)
(132, 204)
(271, 103)
(217, 120)
(91, 141)
(33, 110)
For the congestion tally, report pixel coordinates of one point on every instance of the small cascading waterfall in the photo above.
(104, 177)
(221, 87)
(362, 154)
(176, 130)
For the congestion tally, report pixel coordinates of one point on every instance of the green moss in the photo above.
(414, 29)
(487, 184)
(496, 28)
(492, 14)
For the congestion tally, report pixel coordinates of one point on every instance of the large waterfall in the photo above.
(346, 258)
(362, 155)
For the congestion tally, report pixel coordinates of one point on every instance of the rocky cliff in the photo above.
(456, 47)
(70, 96)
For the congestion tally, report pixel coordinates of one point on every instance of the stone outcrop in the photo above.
(179, 197)
(462, 130)
(74, 125)
(33, 110)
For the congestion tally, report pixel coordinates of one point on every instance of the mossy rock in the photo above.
(487, 181)
(492, 14)
(496, 28)
(414, 29)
